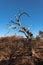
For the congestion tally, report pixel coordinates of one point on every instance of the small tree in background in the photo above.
(37, 38)
(41, 34)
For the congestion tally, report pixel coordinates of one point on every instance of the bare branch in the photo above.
(14, 22)
(18, 17)
(7, 32)
(24, 13)
(23, 32)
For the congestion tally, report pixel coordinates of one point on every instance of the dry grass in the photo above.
(15, 51)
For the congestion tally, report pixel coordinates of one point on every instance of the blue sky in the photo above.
(9, 8)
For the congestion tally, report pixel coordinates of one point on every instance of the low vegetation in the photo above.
(16, 50)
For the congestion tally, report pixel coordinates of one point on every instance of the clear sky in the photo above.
(9, 8)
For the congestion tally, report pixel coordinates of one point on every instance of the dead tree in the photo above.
(23, 29)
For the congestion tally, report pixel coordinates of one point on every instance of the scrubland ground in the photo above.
(19, 51)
